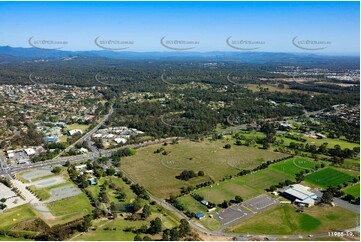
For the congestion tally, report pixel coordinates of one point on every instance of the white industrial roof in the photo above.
(29, 151)
(300, 192)
(6, 192)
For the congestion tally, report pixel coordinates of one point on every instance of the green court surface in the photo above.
(328, 177)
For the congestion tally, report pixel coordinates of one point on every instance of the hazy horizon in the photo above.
(322, 28)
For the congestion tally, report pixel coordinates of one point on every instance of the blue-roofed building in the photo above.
(51, 139)
(199, 215)
(92, 181)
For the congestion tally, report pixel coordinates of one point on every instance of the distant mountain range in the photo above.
(10, 54)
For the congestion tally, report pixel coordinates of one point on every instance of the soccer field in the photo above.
(247, 186)
(354, 190)
(328, 177)
(294, 165)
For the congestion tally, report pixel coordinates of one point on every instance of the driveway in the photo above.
(342, 203)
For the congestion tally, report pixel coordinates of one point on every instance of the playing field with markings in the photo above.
(294, 165)
(328, 177)
(247, 186)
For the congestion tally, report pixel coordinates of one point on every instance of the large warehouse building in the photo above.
(300, 195)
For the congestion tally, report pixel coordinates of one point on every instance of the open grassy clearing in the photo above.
(42, 194)
(70, 209)
(353, 190)
(113, 229)
(247, 186)
(191, 204)
(208, 156)
(82, 127)
(284, 220)
(331, 141)
(275, 88)
(353, 164)
(15, 215)
(9, 238)
(328, 177)
(294, 165)
(194, 206)
(318, 142)
(210, 223)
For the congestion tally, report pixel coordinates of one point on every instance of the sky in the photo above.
(332, 27)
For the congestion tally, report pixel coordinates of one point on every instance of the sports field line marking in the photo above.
(293, 161)
(235, 219)
(247, 208)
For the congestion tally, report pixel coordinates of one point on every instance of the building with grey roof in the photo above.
(299, 195)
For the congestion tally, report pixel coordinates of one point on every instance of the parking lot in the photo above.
(260, 203)
(232, 214)
(245, 210)
(62, 192)
(47, 182)
(36, 174)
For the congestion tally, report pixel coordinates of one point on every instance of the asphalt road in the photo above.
(9, 171)
(90, 155)
(91, 132)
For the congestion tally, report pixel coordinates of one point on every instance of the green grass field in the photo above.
(191, 204)
(207, 156)
(247, 187)
(70, 209)
(353, 164)
(9, 238)
(331, 142)
(15, 215)
(113, 229)
(82, 127)
(294, 165)
(42, 194)
(328, 177)
(284, 220)
(353, 190)
(194, 206)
